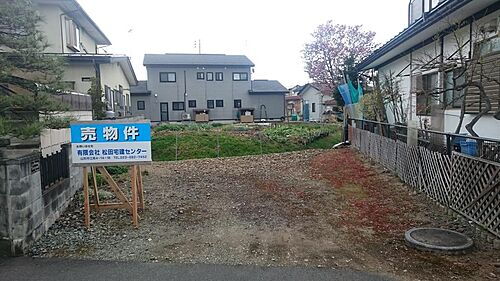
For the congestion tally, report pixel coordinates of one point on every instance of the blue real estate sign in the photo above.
(110, 142)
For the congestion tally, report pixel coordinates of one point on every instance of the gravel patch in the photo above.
(272, 210)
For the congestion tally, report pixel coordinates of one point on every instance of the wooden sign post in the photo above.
(97, 144)
(135, 203)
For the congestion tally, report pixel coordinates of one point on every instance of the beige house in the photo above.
(72, 34)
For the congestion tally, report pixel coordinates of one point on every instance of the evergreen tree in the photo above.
(28, 76)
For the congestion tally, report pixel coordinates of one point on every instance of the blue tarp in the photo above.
(350, 94)
(346, 95)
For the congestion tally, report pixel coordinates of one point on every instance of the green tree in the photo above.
(28, 76)
(98, 106)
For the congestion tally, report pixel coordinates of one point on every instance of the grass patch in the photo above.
(195, 141)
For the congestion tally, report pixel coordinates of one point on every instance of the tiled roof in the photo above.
(268, 86)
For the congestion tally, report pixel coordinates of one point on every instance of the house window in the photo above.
(240, 76)
(169, 77)
(210, 76)
(313, 107)
(141, 105)
(86, 79)
(68, 85)
(237, 103)
(72, 35)
(200, 75)
(454, 97)
(489, 46)
(210, 103)
(192, 103)
(178, 105)
(219, 76)
(219, 103)
(426, 88)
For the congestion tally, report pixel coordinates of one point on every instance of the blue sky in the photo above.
(271, 33)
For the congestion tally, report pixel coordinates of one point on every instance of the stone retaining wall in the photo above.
(25, 211)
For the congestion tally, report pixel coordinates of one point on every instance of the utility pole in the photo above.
(197, 44)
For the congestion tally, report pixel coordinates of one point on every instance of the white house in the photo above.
(307, 101)
(444, 37)
(71, 33)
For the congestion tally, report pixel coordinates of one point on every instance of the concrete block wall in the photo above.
(25, 211)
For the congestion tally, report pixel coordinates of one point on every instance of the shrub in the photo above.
(117, 170)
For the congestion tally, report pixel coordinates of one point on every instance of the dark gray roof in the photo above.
(267, 86)
(141, 88)
(197, 59)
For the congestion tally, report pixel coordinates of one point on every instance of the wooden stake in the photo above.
(86, 203)
(96, 193)
(135, 219)
(140, 188)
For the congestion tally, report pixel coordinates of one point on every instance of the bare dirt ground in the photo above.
(317, 208)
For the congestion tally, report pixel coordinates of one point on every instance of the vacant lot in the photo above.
(318, 208)
(195, 141)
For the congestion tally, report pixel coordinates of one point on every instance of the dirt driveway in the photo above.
(315, 208)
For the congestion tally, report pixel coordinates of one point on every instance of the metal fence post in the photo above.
(218, 144)
(260, 140)
(448, 145)
(176, 145)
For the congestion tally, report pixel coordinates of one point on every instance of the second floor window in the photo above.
(219, 76)
(178, 105)
(169, 77)
(72, 35)
(200, 75)
(210, 76)
(141, 105)
(240, 76)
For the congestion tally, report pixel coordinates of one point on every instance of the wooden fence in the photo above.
(468, 185)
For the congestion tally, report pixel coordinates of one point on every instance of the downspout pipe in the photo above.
(185, 92)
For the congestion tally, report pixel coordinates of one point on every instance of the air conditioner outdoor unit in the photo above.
(186, 116)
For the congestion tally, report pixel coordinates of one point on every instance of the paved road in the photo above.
(24, 269)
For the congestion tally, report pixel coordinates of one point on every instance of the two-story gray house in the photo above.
(181, 85)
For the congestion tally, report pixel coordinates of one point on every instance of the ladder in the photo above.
(263, 108)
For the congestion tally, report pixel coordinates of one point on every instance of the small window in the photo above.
(169, 77)
(219, 103)
(210, 76)
(178, 105)
(68, 85)
(425, 94)
(313, 107)
(219, 76)
(454, 97)
(72, 35)
(240, 76)
(141, 105)
(237, 103)
(200, 75)
(86, 79)
(192, 103)
(210, 103)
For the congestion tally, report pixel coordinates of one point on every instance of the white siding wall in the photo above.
(314, 96)
(74, 73)
(54, 29)
(113, 76)
(487, 126)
